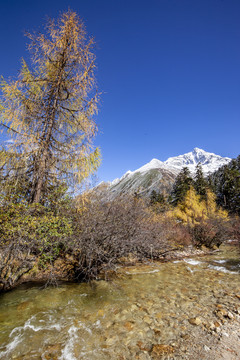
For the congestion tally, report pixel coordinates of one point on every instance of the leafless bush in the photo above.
(210, 233)
(180, 234)
(108, 231)
(234, 231)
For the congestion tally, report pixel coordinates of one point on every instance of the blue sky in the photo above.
(169, 72)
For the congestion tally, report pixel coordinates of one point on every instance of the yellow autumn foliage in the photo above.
(49, 111)
(192, 210)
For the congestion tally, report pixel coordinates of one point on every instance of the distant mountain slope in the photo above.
(158, 179)
(160, 176)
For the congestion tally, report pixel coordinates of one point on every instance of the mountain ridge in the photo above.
(190, 159)
(160, 175)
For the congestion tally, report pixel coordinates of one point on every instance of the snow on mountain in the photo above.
(160, 175)
(153, 164)
(210, 162)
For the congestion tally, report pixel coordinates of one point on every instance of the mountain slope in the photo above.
(160, 176)
(158, 179)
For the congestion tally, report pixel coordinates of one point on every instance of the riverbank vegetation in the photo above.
(82, 238)
(48, 233)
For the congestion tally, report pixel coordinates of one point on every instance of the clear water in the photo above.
(108, 320)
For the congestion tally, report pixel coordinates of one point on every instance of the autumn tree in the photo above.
(49, 112)
(192, 210)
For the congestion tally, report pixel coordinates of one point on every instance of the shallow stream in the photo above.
(145, 305)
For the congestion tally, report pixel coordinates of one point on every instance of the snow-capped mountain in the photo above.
(210, 162)
(160, 175)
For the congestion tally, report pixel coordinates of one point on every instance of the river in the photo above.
(122, 319)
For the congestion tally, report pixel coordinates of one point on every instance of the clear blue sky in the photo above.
(169, 71)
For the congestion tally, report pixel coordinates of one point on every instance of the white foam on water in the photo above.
(192, 261)
(18, 333)
(67, 352)
(28, 325)
(220, 261)
(222, 269)
(10, 347)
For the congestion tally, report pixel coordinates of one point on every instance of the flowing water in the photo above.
(114, 320)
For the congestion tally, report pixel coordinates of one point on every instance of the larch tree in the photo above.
(190, 210)
(49, 111)
(193, 210)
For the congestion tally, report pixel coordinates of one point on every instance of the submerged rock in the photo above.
(160, 349)
(230, 315)
(221, 313)
(195, 321)
(52, 352)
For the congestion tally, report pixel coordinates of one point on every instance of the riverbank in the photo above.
(63, 268)
(181, 309)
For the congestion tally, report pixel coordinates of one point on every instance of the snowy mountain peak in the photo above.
(196, 150)
(160, 176)
(210, 162)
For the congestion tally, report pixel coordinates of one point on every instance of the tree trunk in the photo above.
(42, 165)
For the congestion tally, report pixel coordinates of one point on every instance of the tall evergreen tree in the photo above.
(181, 186)
(156, 197)
(200, 183)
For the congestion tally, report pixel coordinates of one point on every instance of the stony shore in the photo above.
(214, 340)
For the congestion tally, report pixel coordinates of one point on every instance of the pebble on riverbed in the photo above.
(159, 349)
(222, 313)
(195, 321)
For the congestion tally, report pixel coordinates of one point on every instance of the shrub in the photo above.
(107, 231)
(234, 229)
(211, 232)
(29, 234)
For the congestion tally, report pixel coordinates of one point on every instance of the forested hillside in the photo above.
(225, 183)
